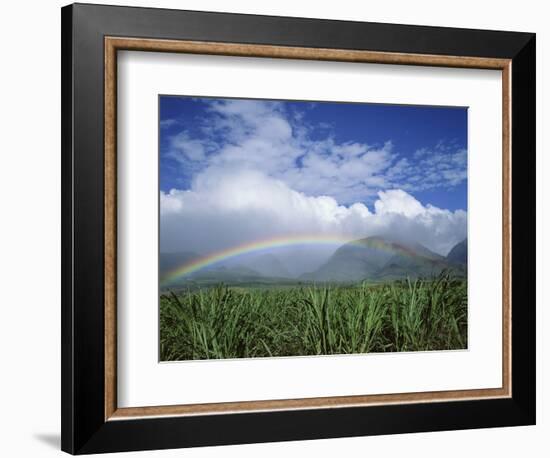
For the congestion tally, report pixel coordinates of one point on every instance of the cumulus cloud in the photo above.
(225, 209)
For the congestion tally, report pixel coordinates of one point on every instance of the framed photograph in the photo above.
(281, 228)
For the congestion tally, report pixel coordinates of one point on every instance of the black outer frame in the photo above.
(84, 429)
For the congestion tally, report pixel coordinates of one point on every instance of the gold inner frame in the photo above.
(112, 45)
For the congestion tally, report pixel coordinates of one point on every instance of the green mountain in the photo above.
(372, 258)
(380, 259)
(459, 253)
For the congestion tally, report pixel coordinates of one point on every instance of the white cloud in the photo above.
(183, 148)
(228, 207)
(398, 202)
(443, 166)
(166, 123)
(260, 135)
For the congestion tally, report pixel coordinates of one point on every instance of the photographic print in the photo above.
(301, 228)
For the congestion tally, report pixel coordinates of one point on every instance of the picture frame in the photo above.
(92, 35)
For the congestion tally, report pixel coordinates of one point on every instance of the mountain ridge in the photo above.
(374, 258)
(459, 253)
(380, 258)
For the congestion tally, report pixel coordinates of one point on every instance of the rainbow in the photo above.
(265, 244)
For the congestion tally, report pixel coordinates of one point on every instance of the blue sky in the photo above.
(427, 143)
(235, 170)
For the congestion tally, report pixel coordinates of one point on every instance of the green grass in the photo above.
(233, 322)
